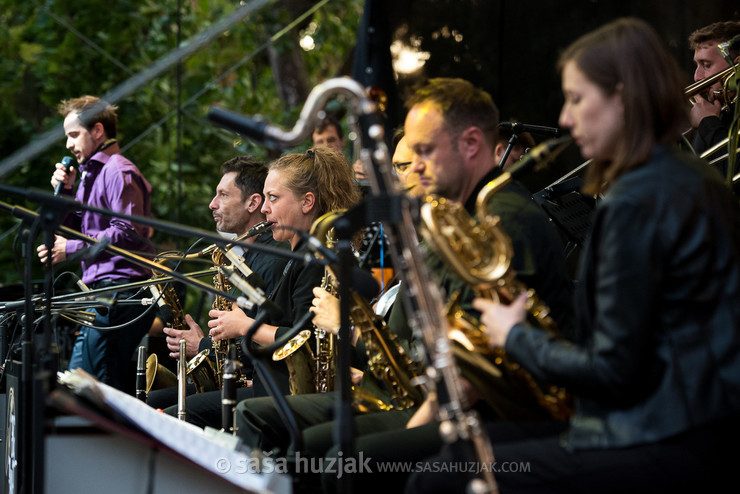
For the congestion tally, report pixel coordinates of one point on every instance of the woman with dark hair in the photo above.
(655, 364)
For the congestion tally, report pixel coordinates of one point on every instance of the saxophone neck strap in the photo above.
(288, 265)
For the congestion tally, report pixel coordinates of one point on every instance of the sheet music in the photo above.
(192, 442)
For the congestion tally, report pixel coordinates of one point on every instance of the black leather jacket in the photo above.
(657, 347)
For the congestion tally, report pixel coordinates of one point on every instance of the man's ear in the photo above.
(254, 202)
(98, 132)
(498, 152)
(471, 141)
(308, 203)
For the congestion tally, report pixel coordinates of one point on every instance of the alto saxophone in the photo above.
(221, 283)
(314, 371)
(219, 257)
(480, 253)
(198, 369)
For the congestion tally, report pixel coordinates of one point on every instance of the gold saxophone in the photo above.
(314, 371)
(480, 253)
(221, 283)
(199, 368)
(221, 347)
(387, 360)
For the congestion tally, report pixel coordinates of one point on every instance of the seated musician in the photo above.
(655, 362)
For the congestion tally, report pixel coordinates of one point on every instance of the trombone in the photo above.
(726, 95)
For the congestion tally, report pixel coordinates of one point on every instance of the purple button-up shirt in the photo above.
(111, 182)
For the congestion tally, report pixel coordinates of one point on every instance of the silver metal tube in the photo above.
(181, 381)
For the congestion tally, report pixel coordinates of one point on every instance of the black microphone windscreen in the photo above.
(364, 283)
(249, 127)
(256, 281)
(165, 313)
(272, 310)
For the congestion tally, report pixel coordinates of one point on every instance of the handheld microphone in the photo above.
(519, 128)
(66, 162)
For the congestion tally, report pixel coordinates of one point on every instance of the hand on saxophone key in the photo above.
(499, 319)
(325, 307)
(192, 338)
(227, 324)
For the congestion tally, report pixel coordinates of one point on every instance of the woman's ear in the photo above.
(308, 203)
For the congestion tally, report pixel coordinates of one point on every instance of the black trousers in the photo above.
(695, 461)
(205, 409)
(260, 425)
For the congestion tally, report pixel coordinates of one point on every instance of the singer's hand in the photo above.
(325, 307)
(58, 252)
(192, 338)
(67, 178)
(228, 324)
(499, 319)
(703, 109)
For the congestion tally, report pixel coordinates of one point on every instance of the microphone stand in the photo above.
(509, 146)
(33, 386)
(22, 212)
(343, 424)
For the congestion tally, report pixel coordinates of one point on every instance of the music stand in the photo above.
(568, 209)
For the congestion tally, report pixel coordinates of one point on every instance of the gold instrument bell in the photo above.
(157, 375)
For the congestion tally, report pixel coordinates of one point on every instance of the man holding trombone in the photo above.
(711, 113)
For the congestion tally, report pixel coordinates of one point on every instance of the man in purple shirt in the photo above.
(108, 180)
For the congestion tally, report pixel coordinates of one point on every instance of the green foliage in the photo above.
(54, 49)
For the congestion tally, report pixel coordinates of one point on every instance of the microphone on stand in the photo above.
(165, 311)
(252, 295)
(66, 162)
(317, 247)
(519, 128)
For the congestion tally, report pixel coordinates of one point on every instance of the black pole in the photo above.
(343, 431)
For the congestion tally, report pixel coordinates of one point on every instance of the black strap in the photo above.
(282, 278)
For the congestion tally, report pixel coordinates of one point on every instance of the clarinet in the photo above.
(228, 391)
(141, 374)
